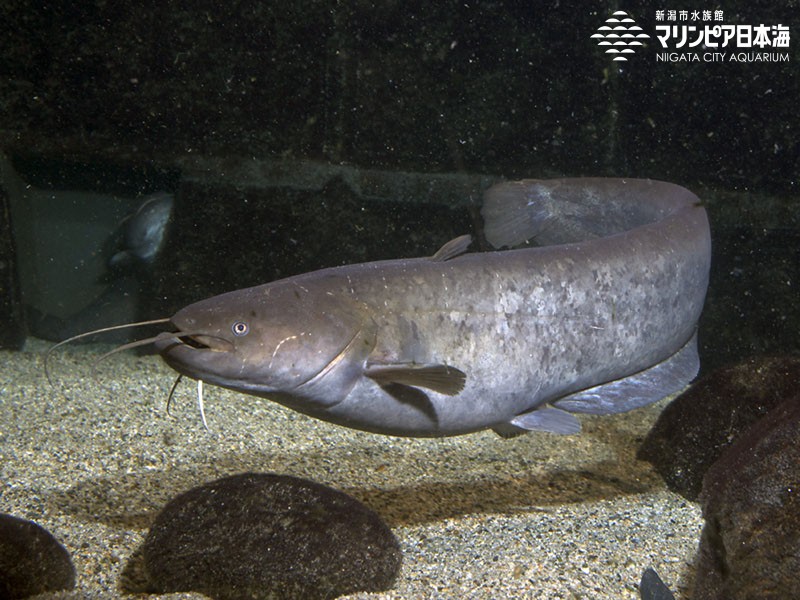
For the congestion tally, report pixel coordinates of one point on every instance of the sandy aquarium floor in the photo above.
(539, 516)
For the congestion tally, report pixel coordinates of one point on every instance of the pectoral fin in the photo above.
(439, 378)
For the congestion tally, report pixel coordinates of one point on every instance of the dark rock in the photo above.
(694, 429)
(260, 536)
(32, 561)
(750, 548)
(653, 588)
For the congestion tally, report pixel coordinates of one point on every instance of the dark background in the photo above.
(133, 97)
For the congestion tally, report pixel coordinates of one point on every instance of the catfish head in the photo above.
(275, 340)
(305, 342)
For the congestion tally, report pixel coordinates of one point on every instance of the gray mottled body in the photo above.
(614, 303)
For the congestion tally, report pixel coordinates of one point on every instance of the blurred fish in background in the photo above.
(140, 237)
(129, 252)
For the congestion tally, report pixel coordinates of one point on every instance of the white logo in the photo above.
(621, 34)
(701, 35)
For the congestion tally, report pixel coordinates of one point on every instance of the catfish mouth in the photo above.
(189, 340)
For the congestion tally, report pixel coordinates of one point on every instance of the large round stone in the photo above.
(264, 536)
(750, 548)
(695, 429)
(32, 561)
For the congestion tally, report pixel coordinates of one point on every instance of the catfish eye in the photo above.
(240, 328)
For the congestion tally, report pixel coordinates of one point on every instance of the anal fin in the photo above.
(642, 388)
(546, 418)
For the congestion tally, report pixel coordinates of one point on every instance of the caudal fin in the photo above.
(545, 212)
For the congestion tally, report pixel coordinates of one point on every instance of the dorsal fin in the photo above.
(452, 248)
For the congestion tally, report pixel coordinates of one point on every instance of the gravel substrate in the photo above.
(95, 456)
